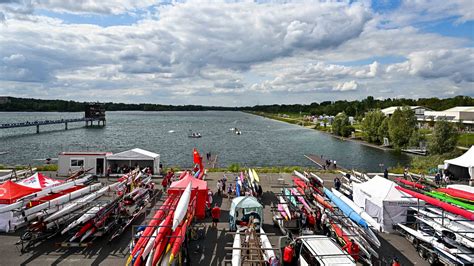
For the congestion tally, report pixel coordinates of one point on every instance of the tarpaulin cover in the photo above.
(198, 189)
(10, 192)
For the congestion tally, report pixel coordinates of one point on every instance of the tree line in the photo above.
(355, 108)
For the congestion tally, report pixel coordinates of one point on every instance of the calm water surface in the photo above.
(263, 142)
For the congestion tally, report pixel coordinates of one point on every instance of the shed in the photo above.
(198, 188)
(73, 161)
(381, 200)
(134, 157)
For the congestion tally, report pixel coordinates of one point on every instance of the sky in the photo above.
(235, 53)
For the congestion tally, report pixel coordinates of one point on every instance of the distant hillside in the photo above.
(352, 108)
(11, 104)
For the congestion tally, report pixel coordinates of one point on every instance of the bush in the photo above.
(47, 167)
(341, 125)
(235, 168)
(444, 139)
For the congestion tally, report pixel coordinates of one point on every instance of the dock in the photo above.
(93, 113)
(320, 161)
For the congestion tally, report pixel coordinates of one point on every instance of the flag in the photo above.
(196, 156)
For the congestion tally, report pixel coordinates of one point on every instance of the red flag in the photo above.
(196, 156)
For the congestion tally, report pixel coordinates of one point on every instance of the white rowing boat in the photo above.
(182, 207)
(236, 252)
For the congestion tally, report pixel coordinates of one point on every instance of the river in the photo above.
(264, 142)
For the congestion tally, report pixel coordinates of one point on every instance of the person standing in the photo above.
(337, 183)
(353, 249)
(219, 187)
(215, 214)
(288, 254)
(385, 173)
(335, 165)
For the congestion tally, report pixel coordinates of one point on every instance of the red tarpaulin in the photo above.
(10, 192)
(199, 189)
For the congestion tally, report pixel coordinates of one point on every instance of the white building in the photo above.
(464, 114)
(98, 162)
(69, 162)
(419, 110)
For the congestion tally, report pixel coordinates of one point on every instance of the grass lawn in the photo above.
(466, 140)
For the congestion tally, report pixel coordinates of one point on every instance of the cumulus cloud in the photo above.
(346, 86)
(456, 64)
(286, 52)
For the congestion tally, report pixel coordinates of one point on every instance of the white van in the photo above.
(317, 250)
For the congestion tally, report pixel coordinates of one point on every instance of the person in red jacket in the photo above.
(395, 262)
(288, 254)
(216, 214)
(353, 249)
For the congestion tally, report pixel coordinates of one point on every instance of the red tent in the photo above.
(10, 192)
(38, 180)
(199, 189)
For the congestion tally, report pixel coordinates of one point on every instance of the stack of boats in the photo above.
(161, 241)
(80, 209)
(444, 224)
(345, 220)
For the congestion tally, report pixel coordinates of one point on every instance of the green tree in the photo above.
(400, 127)
(416, 138)
(382, 131)
(371, 124)
(444, 138)
(341, 125)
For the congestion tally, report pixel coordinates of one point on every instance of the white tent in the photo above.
(381, 200)
(462, 166)
(134, 157)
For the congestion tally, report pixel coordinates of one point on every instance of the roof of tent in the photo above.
(245, 202)
(465, 160)
(134, 154)
(39, 181)
(380, 189)
(183, 183)
(11, 191)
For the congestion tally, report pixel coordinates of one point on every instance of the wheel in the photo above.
(433, 259)
(421, 252)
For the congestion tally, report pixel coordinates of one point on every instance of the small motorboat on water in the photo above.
(195, 135)
(238, 132)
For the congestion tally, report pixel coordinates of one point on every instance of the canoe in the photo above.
(301, 176)
(290, 197)
(454, 219)
(284, 205)
(456, 193)
(182, 207)
(352, 178)
(410, 183)
(62, 199)
(178, 242)
(323, 202)
(255, 176)
(282, 211)
(91, 213)
(446, 198)
(150, 229)
(266, 245)
(446, 206)
(358, 210)
(432, 240)
(236, 258)
(445, 229)
(348, 211)
(465, 188)
(318, 179)
(242, 177)
(301, 199)
(80, 203)
(251, 177)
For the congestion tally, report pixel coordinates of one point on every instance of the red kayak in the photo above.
(323, 202)
(448, 207)
(410, 183)
(343, 238)
(300, 183)
(457, 193)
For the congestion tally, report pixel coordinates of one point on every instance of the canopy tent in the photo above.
(10, 192)
(463, 166)
(381, 200)
(198, 189)
(39, 181)
(246, 203)
(135, 157)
